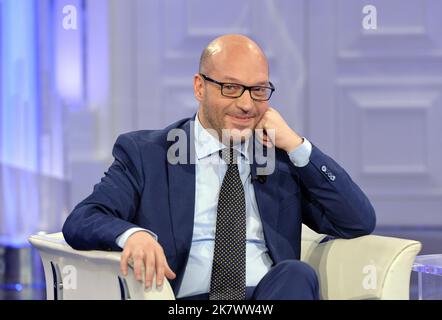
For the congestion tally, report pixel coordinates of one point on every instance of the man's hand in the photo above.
(285, 138)
(146, 254)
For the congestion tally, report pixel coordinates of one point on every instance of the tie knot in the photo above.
(229, 155)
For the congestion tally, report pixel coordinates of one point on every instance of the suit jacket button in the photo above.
(324, 168)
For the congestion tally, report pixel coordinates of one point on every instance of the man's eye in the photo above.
(231, 87)
(259, 90)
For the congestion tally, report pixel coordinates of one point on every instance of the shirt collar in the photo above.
(206, 144)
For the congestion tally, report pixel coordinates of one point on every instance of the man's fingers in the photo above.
(138, 267)
(260, 135)
(147, 260)
(168, 272)
(267, 141)
(160, 264)
(124, 262)
(150, 269)
(160, 276)
(264, 139)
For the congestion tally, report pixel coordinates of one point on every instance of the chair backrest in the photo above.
(72, 274)
(309, 241)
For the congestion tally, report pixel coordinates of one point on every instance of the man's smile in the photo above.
(241, 119)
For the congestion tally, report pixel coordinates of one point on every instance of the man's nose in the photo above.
(245, 102)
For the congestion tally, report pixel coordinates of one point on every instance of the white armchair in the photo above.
(369, 267)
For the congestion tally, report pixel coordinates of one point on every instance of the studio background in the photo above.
(371, 99)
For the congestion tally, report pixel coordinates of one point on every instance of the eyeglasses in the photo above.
(235, 90)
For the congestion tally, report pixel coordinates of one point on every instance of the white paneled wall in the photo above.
(369, 98)
(375, 102)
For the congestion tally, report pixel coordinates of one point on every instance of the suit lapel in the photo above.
(265, 192)
(182, 195)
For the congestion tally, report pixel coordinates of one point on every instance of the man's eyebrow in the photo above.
(260, 83)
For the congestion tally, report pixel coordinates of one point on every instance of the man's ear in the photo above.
(198, 87)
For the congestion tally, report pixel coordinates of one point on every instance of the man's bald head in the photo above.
(229, 45)
(234, 59)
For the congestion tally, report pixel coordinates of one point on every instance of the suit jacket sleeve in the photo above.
(331, 202)
(98, 220)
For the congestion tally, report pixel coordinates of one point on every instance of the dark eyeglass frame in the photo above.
(244, 88)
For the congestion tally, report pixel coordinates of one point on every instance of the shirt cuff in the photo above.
(122, 238)
(300, 157)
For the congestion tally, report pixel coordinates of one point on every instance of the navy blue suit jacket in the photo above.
(142, 189)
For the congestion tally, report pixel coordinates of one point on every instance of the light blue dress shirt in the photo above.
(209, 174)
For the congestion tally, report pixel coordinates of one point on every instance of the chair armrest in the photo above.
(368, 267)
(74, 274)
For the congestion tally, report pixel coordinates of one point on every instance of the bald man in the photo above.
(212, 225)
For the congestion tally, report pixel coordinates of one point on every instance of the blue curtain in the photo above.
(41, 75)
